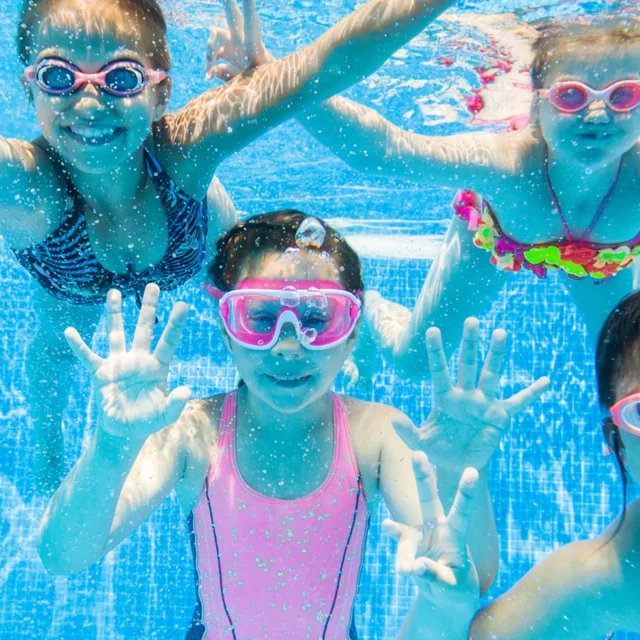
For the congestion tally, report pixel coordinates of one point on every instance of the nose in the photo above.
(597, 113)
(89, 102)
(288, 345)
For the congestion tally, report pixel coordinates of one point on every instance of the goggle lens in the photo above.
(626, 96)
(571, 98)
(56, 78)
(124, 80)
(630, 414)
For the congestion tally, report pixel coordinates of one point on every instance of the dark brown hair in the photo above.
(617, 357)
(141, 19)
(276, 231)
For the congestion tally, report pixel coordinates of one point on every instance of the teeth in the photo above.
(92, 133)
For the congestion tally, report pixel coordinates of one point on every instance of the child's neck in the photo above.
(112, 192)
(272, 423)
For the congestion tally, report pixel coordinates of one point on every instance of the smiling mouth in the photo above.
(288, 381)
(95, 136)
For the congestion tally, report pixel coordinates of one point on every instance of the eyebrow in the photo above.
(118, 54)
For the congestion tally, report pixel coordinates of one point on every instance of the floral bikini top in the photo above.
(576, 257)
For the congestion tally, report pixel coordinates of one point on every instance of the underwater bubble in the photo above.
(311, 233)
(290, 256)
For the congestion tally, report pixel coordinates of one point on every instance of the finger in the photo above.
(438, 366)
(175, 404)
(89, 360)
(526, 397)
(256, 52)
(115, 325)
(407, 431)
(218, 40)
(170, 338)
(424, 473)
(408, 539)
(468, 368)
(434, 572)
(492, 369)
(460, 512)
(225, 71)
(234, 18)
(146, 319)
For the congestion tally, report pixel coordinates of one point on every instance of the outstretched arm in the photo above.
(225, 119)
(362, 137)
(135, 457)
(368, 142)
(461, 282)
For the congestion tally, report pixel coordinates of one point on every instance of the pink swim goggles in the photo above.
(626, 414)
(572, 96)
(255, 313)
(121, 78)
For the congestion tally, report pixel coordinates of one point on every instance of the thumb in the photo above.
(175, 404)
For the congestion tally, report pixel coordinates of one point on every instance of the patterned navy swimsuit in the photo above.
(65, 265)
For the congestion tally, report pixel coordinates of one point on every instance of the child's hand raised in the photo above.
(467, 421)
(436, 554)
(130, 387)
(232, 51)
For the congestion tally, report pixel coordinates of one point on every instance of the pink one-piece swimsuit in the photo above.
(268, 568)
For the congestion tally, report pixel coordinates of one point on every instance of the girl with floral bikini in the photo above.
(557, 195)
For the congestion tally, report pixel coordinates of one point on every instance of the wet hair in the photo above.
(139, 20)
(555, 40)
(245, 244)
(617, 357)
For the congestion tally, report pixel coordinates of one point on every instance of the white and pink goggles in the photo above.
(255, 313)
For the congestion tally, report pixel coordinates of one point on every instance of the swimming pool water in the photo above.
(551, 483)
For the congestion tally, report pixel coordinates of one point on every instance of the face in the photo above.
(288, 377)
(91, 129)
(596, 135)
(626, 387)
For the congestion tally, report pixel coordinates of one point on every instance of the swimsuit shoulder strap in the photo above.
(344, 442)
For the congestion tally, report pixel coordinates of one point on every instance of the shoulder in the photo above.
(197, 430)
(371, 424)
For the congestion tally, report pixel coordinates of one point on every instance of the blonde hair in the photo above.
(555, 41)
(141, 21)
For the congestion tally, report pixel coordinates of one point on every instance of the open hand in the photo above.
(467, 420)
(130, 387)
(230, 52)
(436, 554)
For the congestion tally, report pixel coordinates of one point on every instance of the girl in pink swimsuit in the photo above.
(278, 478)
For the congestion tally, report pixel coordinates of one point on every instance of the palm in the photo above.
(467, 420)
(230, 52)
(130, 387)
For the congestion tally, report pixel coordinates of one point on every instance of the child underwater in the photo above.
(278, 477)
(114, 192)
(573, 170)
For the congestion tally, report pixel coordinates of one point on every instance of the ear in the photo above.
(28, 89)
(163, 93)
(225, 336)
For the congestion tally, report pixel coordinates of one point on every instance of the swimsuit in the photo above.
(66, 266)
(272, 568)
(575, 256)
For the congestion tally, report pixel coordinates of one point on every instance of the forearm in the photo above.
(483, 538)
(426, 622)
(262, 97)
(75, 529)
